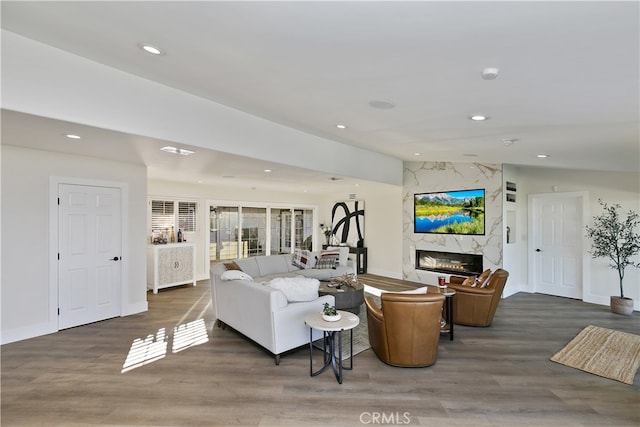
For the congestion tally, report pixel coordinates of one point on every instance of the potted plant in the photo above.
(329, 313)
(615, 238)
(326, 230)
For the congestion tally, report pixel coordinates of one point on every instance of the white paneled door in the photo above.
(90, 247)
(557, 239)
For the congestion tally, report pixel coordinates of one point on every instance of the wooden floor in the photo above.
(496, 376)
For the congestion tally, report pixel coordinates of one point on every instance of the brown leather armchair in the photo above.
(477, 306)
(405, 331)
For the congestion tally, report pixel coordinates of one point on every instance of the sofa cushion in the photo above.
(272, 264)
(296, 289)
(303, 259)
(344, 253)
(249, 266)
(328, 259)
(235, 275)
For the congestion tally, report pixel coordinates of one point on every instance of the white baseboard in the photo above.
(27, 332)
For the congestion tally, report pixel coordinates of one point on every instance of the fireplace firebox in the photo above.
(449, 262)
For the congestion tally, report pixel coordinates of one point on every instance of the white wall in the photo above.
(514, 254)
(382, 225)
(25, 235)
(611, 187)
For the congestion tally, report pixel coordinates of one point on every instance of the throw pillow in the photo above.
(483, 278)
(231, 265)
(343, 251)
(469, 281)
(328, 259)
(235, 275)
(487, 282)
(296, 289)
(303, 259)
(422, 290)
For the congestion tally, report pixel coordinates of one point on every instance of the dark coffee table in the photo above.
(347, 298)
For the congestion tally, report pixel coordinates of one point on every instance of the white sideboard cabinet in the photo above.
(169, 265)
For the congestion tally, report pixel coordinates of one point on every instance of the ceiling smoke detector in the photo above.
(489, 73)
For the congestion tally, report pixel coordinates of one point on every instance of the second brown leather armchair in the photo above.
(477, 306)
(405, 331)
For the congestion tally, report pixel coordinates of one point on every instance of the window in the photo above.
(162, 215)
(187, 212)
(165, 216)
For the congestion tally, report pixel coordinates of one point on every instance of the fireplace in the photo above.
(449, 262)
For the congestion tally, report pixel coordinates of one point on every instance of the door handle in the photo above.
(115, 258)
(538, 250)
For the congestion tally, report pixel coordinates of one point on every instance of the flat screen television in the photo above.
(449, 212)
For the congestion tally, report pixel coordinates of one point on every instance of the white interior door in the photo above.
(90, 247)
(557, 244)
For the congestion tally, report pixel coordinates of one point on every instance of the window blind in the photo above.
(187, 216)
(162, 215)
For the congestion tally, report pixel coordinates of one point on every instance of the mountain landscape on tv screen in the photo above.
(450, 212)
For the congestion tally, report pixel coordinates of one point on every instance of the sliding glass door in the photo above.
(223, 232)
(246, 231)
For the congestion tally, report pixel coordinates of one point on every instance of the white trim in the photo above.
(586, 271)
(54, 182)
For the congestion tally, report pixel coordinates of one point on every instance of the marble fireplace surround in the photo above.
(421, 177)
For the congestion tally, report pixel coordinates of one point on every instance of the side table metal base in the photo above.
(329, 353)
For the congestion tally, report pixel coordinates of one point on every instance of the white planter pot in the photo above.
(332, 318)
(621, 305)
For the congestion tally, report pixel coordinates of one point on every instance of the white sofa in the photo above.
(262, 313)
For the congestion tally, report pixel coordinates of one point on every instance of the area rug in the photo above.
(360, 333)
(603, 352)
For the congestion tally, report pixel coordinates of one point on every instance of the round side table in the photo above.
(347, 322)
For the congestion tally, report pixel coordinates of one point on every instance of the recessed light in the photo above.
(479, 118)
(509, 141)
(72, 136)
(153, 50)
(341, 126)
(489, 73)
(175, 150)
(470, 155)
(268, 170)
(381, 105)
(542, 156)
(416, 154)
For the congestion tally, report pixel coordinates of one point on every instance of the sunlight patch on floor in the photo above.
(146, 351)
(189, 335)
(154, 347)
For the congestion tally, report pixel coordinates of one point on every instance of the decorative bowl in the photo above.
(333, 318)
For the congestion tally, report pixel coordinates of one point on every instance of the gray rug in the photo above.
(360, 333)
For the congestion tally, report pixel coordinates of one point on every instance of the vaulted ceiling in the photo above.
(403, 77)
